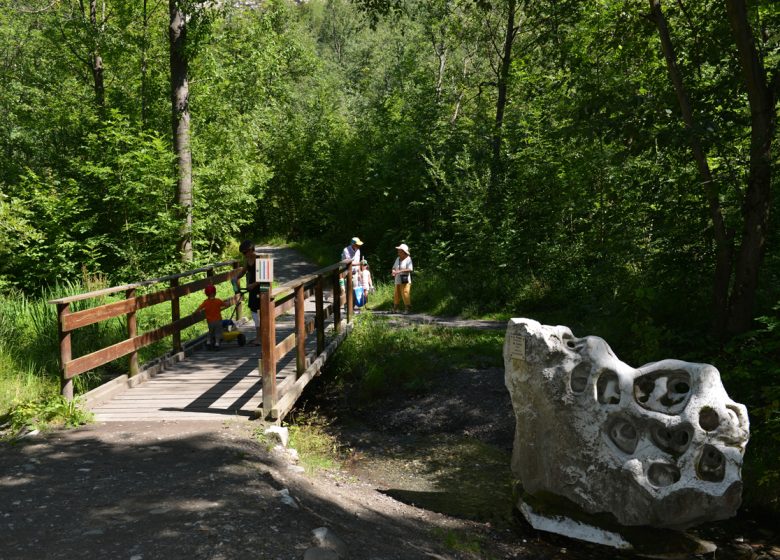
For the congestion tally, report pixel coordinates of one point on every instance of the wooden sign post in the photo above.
(264, 271)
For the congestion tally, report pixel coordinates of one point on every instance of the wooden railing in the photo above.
(69, 321)
(273, 302)
(292, 296)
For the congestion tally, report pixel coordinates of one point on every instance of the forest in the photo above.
(605, 165)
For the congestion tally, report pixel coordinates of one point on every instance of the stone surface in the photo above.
(279, 434)
(323, 537)
(661, 445)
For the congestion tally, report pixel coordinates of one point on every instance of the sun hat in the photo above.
(210, 290)
(364, 261)
(405, 248)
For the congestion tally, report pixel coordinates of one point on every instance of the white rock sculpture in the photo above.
(661, 445)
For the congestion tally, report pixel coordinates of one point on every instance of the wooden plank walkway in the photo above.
(213, 385)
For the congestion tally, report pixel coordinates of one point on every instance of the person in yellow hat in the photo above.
(352, 252)
(402, 275)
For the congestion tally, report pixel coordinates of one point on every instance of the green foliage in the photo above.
(317, 448)
(42, 414)
(750, 367)
(408, 355)
(460, 542)
(317, 121)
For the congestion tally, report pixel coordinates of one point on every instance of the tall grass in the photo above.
(377, 358)
(29, 344)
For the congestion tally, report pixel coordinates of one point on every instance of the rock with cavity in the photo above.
(661, 445)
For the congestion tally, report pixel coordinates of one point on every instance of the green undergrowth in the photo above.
(318, 449)
(42, 414)
(460, 541)
(750, 370)
(378, 358)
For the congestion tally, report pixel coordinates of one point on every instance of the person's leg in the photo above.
(396, 297)
(217, 333)
(256, 319)
(407, 295)
(211, 336)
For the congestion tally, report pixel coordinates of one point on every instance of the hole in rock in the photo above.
(579, 377)
(608, 387)
(623, 434)
(663, 391)
(708, 419)
(682, 387)
(712, 464)
(643, 388)
(673, 440)
(663, 474)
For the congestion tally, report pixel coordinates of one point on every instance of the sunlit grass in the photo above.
(317, 448)
(377, 358)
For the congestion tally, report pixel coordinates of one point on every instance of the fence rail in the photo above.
(274, 302)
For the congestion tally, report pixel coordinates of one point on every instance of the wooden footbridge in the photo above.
(301, 325)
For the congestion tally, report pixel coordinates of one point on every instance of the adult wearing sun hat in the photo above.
(352, 251)
(402, 274)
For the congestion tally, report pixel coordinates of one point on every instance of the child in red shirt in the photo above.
(213, 308)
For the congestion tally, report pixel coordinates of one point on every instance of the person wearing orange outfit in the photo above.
(213, 308)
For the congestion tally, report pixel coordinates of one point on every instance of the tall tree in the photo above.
(734, 309)
(502, 83)
(724, 238)
(180, 112)
(97, 59)
(755, 206)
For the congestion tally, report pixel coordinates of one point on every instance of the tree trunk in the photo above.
(181, 125)
(723, 237)
(756, 204)
(97, 60)
(503, 79)
(144, 70)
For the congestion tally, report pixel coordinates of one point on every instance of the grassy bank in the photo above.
(408, 355)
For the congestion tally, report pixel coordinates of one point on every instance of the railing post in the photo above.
(336, 301)
(132, 332)
(268, 352)
(66, 385)
(350, 295)
(319, 319)
(239, 305)
(175, 314)
(300, 330)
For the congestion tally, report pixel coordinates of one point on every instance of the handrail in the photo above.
(124, 288)
(291, 295)
(69, 321)
(273, 302)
